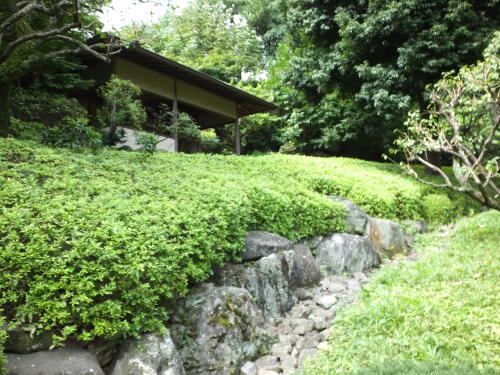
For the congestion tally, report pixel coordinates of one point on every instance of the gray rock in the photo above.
(220, 329)
(288, 363)
(333, 284)
(319, 323)
(304, 271)
(267, 372)
(267, 280)
(341, 253)
(149, 355)
(326, 301)
(310, 341)
(280, 350)
(290, 338)
(267, 362)
(387, 235)
(20, 340)
(312, 243)
(259, 244)
(248, 368)
(103, 351)
(303, 294)
(70, 360)
(301, 326)
(356, 218)
(323, 346)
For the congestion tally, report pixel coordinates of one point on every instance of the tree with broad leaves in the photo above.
(34, 32)
(462, 122)
(378, 56)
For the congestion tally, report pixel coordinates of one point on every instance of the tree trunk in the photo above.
(5, 91)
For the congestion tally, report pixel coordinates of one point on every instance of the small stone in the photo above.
(303, 294)
(308, 342)
(326, 315)
(301, 326)
(281, 350)
(300, 311)
(267, 362)
(333, 285)
(327, 301)
(295, 352)
(305, 354)
(283, 328)
(289, 339)
(319, 323)
(267, 372)
(288, 362)
(323, 345)
(249, 368)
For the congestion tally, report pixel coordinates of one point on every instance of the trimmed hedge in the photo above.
(96, 245)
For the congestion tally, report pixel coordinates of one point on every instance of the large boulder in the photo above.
(259, 244)
(267, 280)
(20, 340)
(388, 236)
(69, 360)
(302, 267)
(218, 329)
(148, 355)
(341, 253)
(356, 218)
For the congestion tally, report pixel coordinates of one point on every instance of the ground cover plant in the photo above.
(440, 313)
(97, 244)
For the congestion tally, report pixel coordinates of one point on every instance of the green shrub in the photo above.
(442, 308)
(72, 133)
(40, 106)
(95, 245)
(425, 368)
(147, 141)
(438, 208)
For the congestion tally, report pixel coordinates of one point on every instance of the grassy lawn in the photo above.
(439, 315)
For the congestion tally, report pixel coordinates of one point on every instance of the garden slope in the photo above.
(438, 312)
(95, 245)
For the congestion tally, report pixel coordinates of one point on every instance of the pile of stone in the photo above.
(263, 316)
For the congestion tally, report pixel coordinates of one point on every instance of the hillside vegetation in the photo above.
(436, 316)
(96, 244)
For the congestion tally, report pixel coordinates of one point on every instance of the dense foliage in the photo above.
(35, 33)
(121, 107)
(361, 65)
(441, 310)
(205, 36)
(462, 123)
(94, 245)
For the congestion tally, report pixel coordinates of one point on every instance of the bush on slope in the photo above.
(96, 245)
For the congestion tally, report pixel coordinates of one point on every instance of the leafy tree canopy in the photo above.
(379, 56)
(205, 36)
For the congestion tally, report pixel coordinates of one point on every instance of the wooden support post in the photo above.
(237, 137)
(175, 118)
